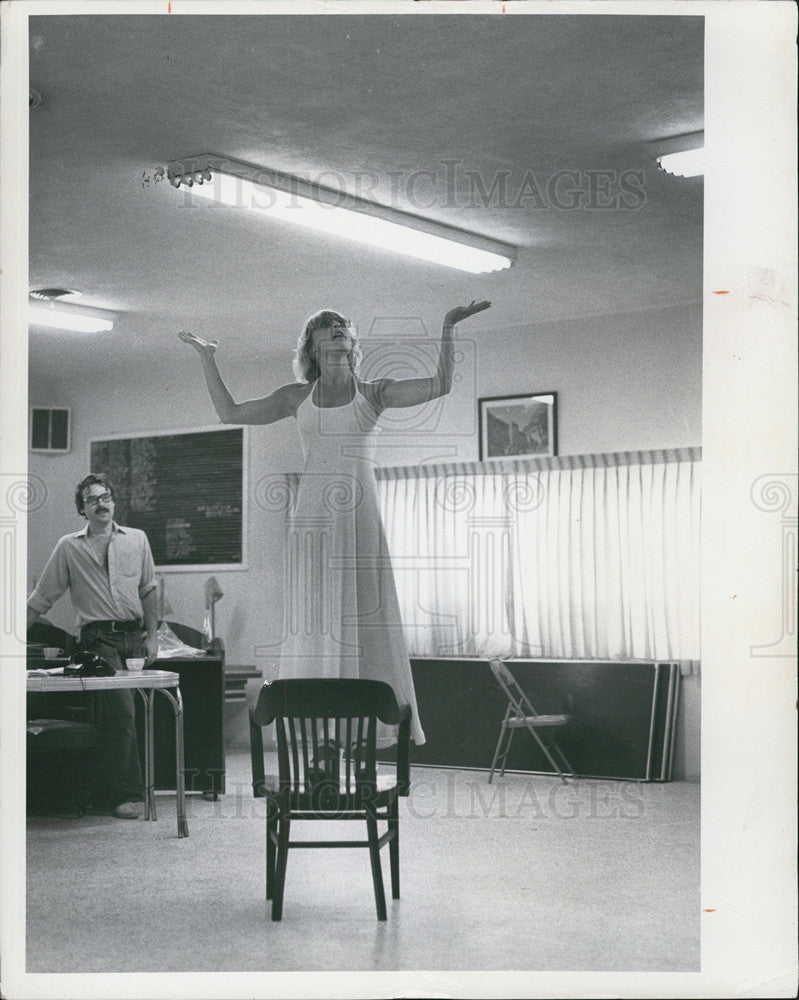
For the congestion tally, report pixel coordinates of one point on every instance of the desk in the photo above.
(202, 687)
(146, 682)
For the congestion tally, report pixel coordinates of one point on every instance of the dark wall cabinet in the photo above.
(202, 687)
(624, 715)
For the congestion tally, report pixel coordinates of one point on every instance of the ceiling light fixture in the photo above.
(290, 199)
(50, 294)
(681, 155)
(61, 319)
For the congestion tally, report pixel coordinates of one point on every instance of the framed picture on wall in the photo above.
(518, 425)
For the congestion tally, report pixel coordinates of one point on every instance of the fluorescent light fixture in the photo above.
(681, 155)
(290, 199)
(61, 319)
(691, 163)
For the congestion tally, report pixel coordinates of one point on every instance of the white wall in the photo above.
(248, 616)
(623, 383)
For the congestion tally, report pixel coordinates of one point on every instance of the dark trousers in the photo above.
(120, 779)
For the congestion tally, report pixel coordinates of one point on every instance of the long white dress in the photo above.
(342, 617)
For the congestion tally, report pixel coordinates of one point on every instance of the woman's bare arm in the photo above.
(281, 403)
(414, 391)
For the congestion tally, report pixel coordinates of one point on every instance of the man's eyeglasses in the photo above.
(102, 498)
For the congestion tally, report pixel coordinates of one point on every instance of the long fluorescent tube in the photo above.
(681, 155)
(290, 199)
(60, 319)
(690, 163)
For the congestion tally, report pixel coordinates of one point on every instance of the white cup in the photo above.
(136, 663)
(51, 652)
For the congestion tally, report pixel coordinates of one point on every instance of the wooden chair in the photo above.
(44, 633)
(326, 743)
(62, 741)
(73, 707)
(60, 756)
(520, 714)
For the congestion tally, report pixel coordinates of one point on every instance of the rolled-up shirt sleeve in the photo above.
(53, 582)
(147, 582)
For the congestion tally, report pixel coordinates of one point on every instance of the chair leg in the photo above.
(271, 851)
(374, 857)
(567, 765)
(549, 756)
(507, 752)
(499, 744)
(393, 848)
(283, 829)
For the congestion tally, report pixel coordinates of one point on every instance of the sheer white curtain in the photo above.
(581, 557)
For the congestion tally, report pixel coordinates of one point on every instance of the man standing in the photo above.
(110, 576)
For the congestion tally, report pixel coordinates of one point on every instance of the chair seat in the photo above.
(385, 783)
(60, 734)
(539, 720)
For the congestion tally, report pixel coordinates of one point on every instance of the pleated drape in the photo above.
(580, 557)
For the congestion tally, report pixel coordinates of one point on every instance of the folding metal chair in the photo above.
(519, 714)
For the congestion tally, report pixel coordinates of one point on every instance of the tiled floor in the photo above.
(524, 874)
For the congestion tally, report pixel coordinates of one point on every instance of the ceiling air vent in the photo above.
(51, 294)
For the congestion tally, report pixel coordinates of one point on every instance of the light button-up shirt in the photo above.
(97, 593)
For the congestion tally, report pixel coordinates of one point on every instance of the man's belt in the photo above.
(114, 626)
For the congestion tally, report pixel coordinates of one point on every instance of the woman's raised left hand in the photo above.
(464, 312)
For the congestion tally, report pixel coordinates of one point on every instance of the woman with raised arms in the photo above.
(342, 616)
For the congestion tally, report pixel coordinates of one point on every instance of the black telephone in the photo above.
(89, 665)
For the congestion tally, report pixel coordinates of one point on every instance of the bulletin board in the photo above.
(185, 490)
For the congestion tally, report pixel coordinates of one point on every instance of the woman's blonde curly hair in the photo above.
(305, 366)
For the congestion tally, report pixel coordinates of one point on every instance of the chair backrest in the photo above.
(518, 699)
(323, 724)
(44, 632)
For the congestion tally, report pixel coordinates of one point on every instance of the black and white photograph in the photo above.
(369, 368)
(518, 425)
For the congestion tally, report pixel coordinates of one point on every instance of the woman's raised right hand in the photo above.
(202, 346)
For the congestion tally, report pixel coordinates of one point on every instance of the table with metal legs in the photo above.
(146, 682)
